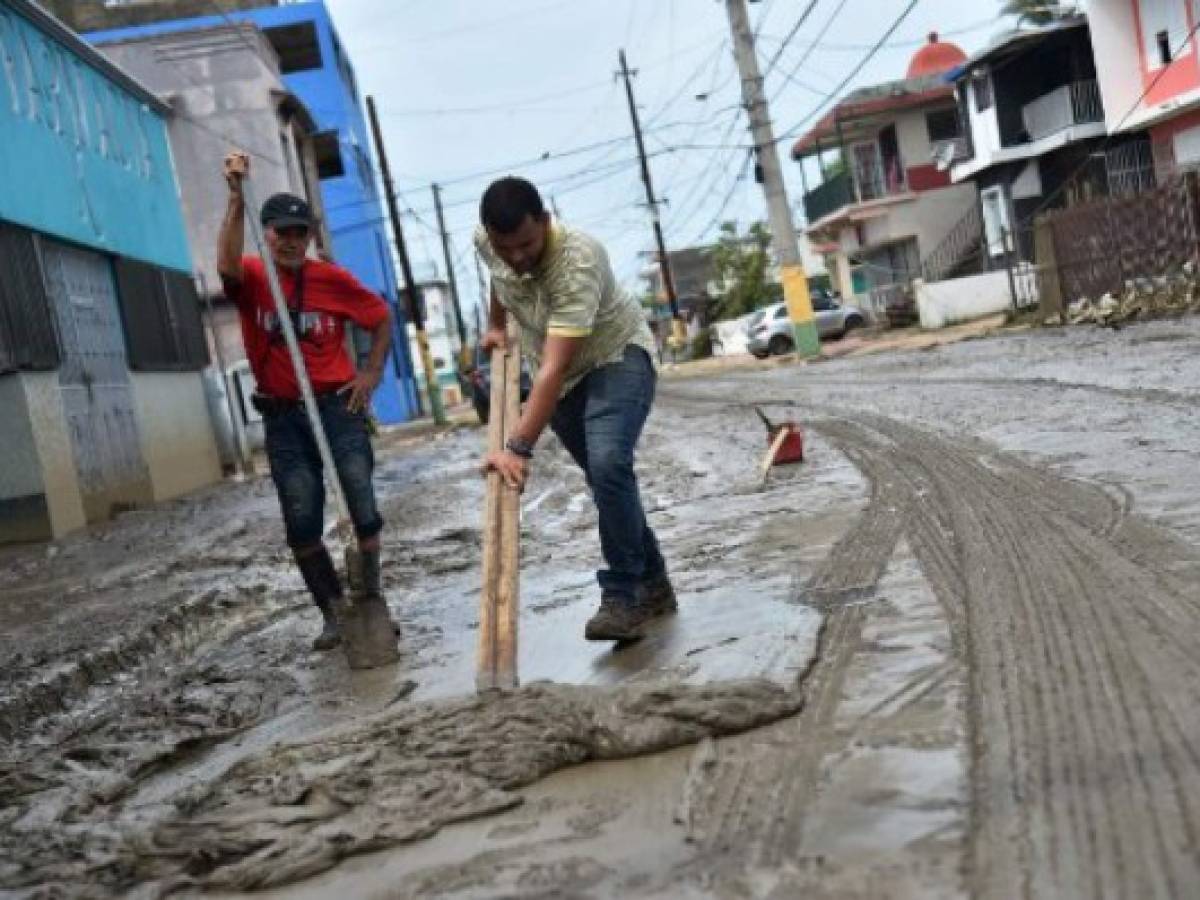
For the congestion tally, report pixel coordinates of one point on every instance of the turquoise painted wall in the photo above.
(81, 157)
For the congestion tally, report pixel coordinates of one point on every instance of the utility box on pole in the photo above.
(766, 158)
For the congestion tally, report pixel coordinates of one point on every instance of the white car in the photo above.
(770, 330)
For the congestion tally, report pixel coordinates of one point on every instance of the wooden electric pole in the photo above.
(463, 350)
(766, 157)
(664, 262)
(415, 315)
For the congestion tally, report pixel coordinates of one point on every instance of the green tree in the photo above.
(1035, 12)
(740, 266)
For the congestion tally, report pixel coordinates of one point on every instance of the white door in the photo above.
(995, 218)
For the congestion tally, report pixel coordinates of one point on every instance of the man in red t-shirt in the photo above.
(321, 297)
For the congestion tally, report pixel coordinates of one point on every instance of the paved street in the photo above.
(953, 654)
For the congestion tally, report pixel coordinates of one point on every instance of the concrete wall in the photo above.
(912, 135)
(984, 128)
(39, 492)
(355, 211)
(220, 83)
(959, 300)
(928, 218)
(1116, 45)
(178, 444)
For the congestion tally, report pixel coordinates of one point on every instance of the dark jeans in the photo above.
(599, 422)
(297, 471)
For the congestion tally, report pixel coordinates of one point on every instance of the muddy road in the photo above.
(954, 654)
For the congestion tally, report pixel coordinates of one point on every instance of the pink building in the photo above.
(1148, 66)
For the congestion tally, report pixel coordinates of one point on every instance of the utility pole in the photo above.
(463, 351)
(485, 296)
(766, 156)
(554, 208)
(410, 284)
(664, 263)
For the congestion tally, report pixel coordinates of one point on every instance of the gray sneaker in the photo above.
(658, 596)
(618, 619)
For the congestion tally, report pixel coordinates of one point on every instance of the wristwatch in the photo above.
(519, 447)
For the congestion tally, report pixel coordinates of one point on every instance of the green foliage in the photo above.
(834, 168)
(702, 347)
(740, 265)
(1035, 12)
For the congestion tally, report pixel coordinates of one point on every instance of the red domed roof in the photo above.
(935, 57)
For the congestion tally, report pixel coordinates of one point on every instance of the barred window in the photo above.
(28, 339)
(160, 313)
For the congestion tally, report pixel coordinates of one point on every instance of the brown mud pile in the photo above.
(297, 809)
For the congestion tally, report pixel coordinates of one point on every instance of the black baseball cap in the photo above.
(286, 211)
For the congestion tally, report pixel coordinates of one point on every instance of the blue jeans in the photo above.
(599, 422)
(297, 471)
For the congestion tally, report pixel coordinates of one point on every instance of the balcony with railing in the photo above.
(1072, 104)
(831, 196)
(873, 179)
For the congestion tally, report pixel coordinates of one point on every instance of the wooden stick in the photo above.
(485, 673)
(497, 660)
(508, 588)
(769, 459)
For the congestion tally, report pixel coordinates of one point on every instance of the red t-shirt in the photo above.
(331, 295)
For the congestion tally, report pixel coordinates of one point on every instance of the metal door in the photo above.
(94, 378)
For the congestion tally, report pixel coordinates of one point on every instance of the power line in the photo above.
(862, 63)
(808, 10)
(813, 44)
(737, 182)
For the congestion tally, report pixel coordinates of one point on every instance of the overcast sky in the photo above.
(470, 89)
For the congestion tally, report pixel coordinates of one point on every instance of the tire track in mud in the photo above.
(1078, 622)
(782, 761)
(1076, 628)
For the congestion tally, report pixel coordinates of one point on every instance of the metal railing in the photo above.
(892, 304)
(1077, 103)
(963, 240)
(829, 197)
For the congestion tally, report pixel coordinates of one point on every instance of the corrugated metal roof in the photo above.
(1014, 41)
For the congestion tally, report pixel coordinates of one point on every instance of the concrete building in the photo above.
(1148, 68)
(316, 69)
(1035, 124)
(441, 328)
(224, 87)
(101, 343)
(883, 201)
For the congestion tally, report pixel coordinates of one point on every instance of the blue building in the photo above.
(316, 69)
(101, 344)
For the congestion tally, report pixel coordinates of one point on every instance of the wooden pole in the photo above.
(508, 595)
(496, 667)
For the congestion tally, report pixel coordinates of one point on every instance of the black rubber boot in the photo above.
(323, 583)
(371, 574)
(367, 582)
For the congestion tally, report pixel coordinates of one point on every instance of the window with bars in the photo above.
(28, 339)
(160, 314)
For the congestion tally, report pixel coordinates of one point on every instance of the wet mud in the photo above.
(951, 655)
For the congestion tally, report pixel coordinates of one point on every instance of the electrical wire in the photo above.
(862, 63)
(804, 16)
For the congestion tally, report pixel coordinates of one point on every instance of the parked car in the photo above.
(478, 383)
(770, 330)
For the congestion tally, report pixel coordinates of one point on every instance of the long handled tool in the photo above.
(368, 635)
(787, 445)
(497, 661)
